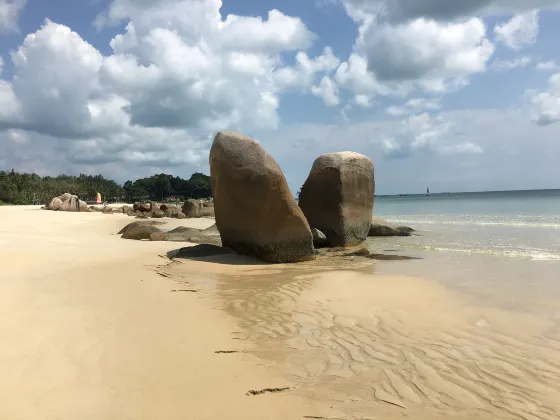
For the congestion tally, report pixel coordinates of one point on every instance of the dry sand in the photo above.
(97, 327)
(89, 331)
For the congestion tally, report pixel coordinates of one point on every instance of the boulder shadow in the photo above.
(214, 254)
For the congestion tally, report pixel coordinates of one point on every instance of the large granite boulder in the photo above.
(255, 211)
(196, 208)
(73, 204)
(65, 197)
(66, 202)
(192, 208)
(337, 197)
(55, 204)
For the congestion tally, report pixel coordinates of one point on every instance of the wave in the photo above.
(478, 222)
(531, 254)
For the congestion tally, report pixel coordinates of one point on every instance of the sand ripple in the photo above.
(397, 346)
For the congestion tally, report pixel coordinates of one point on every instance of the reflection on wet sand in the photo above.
(377, 346)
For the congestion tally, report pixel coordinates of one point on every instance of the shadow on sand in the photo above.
(213, 253)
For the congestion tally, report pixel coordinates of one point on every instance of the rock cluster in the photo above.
(257, 215)
(67, 202)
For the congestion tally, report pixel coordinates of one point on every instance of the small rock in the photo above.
(319, 238)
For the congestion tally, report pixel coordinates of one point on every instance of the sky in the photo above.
(454, 95)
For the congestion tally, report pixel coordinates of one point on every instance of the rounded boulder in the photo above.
(337, 197)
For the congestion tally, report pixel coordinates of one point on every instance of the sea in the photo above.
(501, 246)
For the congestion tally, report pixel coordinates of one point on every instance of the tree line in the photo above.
(24, 188)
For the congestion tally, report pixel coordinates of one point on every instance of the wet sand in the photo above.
(94, 326)
(388, 346)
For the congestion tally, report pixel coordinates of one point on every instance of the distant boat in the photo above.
(428, 191)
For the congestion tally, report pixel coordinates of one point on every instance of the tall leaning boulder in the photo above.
(255, 211)
(337, 197)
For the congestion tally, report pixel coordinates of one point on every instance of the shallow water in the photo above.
(503, 248)
(517, 225)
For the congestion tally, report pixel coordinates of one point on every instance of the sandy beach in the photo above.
(90, 331)
(97, 327)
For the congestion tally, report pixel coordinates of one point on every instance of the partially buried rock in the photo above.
(381, 227)
(209, 236)
(337, 197)
(107, 210)
(319, 238)
(142, 207)
(256, 213)
(134, 225)
(140, 232)
(158, 214)
(174, 212)
(200, 251)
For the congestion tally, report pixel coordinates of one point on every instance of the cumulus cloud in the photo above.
(327, 90)
(397, 56)
(504, 65)
(398, 11)
(547, 66)
(546, 104)
(9, 13)
(177, 73)
(424, 49)
(414, 106)
(304, 71)
(520, 31)
(424, 133)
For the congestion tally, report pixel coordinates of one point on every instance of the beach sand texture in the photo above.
(88, 330)
(97, 327)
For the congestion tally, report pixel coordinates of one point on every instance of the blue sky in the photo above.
(461, 98)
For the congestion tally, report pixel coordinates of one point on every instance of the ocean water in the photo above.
(504, 246)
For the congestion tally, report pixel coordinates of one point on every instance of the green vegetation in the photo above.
(167, 187)
(22, 188)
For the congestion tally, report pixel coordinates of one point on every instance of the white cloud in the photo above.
(363, 101)
(399, 57)
(547, 65)
(426, 49)
(302, 74)
(327, 90)
(414, 106)
(424, 133)
(520, 31)
(9, 13)
(398, 11)
(178, 72)
(546, 104)
(504, 65)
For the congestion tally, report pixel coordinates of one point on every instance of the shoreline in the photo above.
(101, 327)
